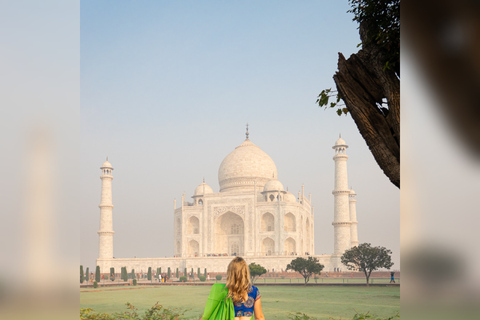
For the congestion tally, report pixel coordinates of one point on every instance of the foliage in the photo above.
(169, 273)
(82, 278)
(87, 274)
(132, 275)
(124, 275)
(191, 273)
(97, 274)
(185, 272)
(157, 312)
(366, 258)
(112, 273)
(134, 282)
(300, 316)
(149, 273)
(183, 279)
(176, 272)
(95, 284)
(256, 271)
(205, 272)
(202, 278)
(218, 277)
(306, 267)
(357, 316)
(198, 272)
(381, 20)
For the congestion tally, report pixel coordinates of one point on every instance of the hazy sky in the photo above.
(167, 88)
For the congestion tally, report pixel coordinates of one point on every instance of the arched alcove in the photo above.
(268, 246)
(268, 222)
(290, 246)
(193, 226)
(289, 223)
(193, 248)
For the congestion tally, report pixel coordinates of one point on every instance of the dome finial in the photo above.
(246, 133)
(107, 158)
(340, 135)
(203, 179)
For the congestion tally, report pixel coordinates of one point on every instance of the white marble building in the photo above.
(252, 215)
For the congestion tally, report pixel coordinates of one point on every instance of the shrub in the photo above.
(95, 284)
(133, 274)
(112, 273)
(176, 273)
(183, 279)
(218, 277)
(202, 278)
(82, 277)
(169, 273)
(157, 312)
(149, 273)
(205, 272)
(87, 274)
(97, 274)
(134, 282)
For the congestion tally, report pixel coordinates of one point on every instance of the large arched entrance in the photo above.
(229, 234)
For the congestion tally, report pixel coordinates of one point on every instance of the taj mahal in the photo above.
(251, 215)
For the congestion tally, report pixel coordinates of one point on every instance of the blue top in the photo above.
(245, 309)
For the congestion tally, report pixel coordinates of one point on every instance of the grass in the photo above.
(323, 302)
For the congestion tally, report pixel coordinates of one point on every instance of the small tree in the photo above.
(149, 273)
(185, 272)
(169, 273)
(191, 274)
(198, 272)
(306, 267)
(205, 273)
(366, 258)
(218, 277)
(97, 274)
(132, 275)
(82, 278)
(87, 274)
(176, 273)
(112, 273)
(256, 271)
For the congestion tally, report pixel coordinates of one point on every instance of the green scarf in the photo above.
(218, 307)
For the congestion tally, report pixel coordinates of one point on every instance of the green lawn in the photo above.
(323, 302)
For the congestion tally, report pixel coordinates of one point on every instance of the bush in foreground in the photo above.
(202, 278)
(183, 279)
(157, 312)
(357, 316)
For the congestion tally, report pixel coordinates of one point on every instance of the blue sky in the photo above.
(167, 88)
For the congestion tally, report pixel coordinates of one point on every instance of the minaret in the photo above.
(341, 222)
(105, 234)
(353, 219)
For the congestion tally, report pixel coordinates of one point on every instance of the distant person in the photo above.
(392, 277)
(159, 277)
(238, 298)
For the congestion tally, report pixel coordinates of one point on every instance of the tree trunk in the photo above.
(362, 84)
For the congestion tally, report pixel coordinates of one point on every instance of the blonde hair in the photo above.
(238, 279)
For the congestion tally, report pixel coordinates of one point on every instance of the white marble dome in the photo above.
(106, 164)
(289, 197)
(273, 185)
(199, 191)
(245, 165)
(340, 142)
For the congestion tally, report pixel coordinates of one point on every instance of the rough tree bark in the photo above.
(363, 82)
